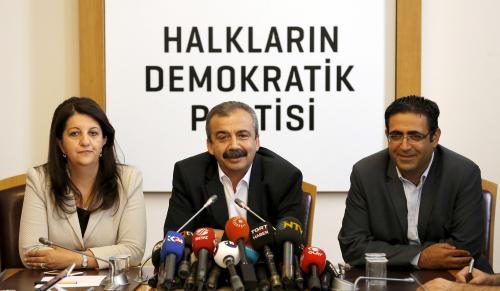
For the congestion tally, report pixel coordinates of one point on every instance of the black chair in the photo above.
(490, 200)
(308, 204)
(11, 205)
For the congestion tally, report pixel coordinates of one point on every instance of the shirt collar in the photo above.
(424, 175)
(245, 178)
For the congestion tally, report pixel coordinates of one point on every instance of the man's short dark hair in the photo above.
(225, 109)
(417, 105)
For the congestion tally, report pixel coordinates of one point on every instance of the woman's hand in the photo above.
(51, 258)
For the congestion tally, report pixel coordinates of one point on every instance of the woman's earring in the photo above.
(64, 155)
(100, 155)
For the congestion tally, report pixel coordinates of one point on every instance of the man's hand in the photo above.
(440, 284)
(443, 256)
(478, 277)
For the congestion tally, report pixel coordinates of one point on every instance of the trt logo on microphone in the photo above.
(238, 222)
(290, 225)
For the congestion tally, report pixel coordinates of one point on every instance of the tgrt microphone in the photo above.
(262, 238)
(115, 280)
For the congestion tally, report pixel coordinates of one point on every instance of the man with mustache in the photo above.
(416, 201)
(235, 166)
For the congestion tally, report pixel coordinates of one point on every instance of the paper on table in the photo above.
(77, 281)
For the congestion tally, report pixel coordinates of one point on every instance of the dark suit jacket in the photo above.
(451, 209)
(274, 191)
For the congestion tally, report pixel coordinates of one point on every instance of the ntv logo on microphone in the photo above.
(290, 224)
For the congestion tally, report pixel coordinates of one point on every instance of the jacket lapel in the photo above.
(214, 187)
(256, 189)
(397, 197)
(75, 226)
(428, 195)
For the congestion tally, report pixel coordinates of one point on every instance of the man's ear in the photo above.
(435, 137)
(209, 147)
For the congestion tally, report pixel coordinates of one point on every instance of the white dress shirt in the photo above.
(241, 193)
(413, 193)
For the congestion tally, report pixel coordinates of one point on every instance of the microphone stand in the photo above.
(109, 285)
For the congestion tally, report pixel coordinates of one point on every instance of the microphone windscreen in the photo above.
(289, 229)
(251, 255)
(155, 256)
(173, 244)
(203, 238)
(261, 235)
(226, 249)
(187, 238)
(312, 256)
(237, 228)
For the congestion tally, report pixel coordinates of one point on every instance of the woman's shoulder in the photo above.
(37, 174)
(127, 171)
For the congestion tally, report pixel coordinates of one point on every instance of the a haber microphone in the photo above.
(203, 242)
(262, 238)
(313, 262)
(226, 255)
(209, 202)
(237, 231)
(115, 280)
(288, 234)
(170, 254)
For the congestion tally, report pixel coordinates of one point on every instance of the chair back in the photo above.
(308, 204)
(11, 205)
(489, 199)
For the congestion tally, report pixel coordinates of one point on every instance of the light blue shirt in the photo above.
(241, 193)
(413, 193)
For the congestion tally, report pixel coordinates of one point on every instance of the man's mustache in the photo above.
(234, 154)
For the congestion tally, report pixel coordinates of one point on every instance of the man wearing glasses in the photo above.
(416, 201)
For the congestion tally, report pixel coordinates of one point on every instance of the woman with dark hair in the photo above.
(81, 198)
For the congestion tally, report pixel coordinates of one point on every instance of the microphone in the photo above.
(313, 262)
(288, 233)
(170, 253)
(213, 277)
(203, 242)
(237, 231)
(326, 278)
(262, 238)
(113, 283)
(227, 256)
(252, 255)
(242, 205)
(190, 282)
(299, 279)
(209, 202)
(260, 269)
(184, 265)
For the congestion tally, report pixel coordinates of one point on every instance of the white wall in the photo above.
(461, 56)
(461, 72)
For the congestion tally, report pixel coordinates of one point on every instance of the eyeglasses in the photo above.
(411, 138)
